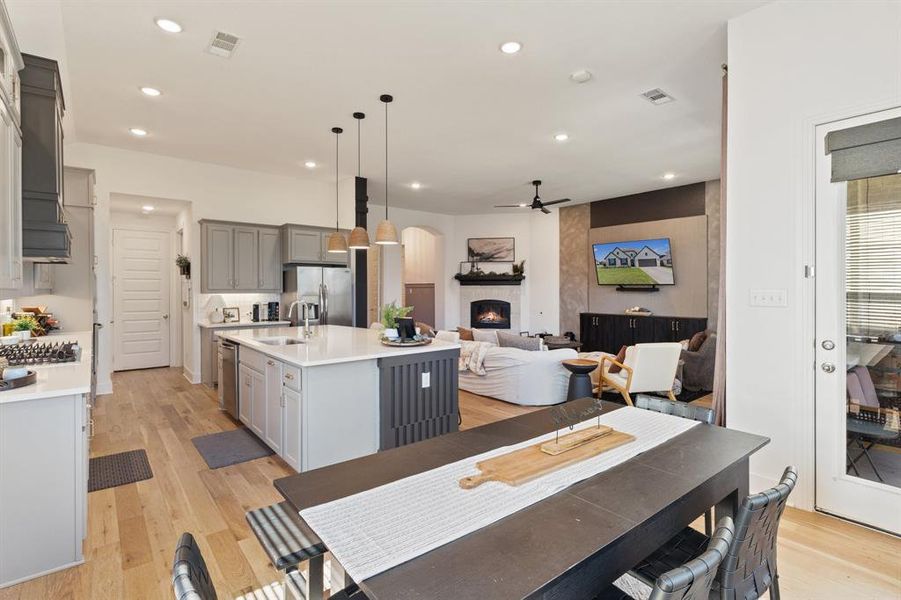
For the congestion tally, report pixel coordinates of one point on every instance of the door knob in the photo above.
(166, 316)
(828, 367)
(828, 345)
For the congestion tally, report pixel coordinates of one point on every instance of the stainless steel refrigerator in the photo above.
(330, 289)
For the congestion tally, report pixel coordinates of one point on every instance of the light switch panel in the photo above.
(426, 380)
(769, 298)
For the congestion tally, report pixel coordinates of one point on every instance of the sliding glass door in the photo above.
(858, 322)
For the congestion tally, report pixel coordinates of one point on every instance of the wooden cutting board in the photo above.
(526, 464)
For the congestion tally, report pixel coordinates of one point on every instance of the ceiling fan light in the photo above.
(337, 244)
(386, 234)
(359, 239)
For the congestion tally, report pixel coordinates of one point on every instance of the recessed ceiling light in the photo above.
(147, 208)
(511, 47)
(168, 25)
(310, 164)
(138, 131)
(561, 137)
(669, 176)
(415, 185)
(149, 91)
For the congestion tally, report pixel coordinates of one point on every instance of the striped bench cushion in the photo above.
(279, 531)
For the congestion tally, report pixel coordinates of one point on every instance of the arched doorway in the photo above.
(422, 267)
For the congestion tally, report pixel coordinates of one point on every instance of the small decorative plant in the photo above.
(184, 265)
(519, 268)
(391, 312)
(25, 324)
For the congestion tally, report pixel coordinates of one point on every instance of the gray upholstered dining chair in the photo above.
(692, 580)
(190, 576)
(749, 568)
(686, 411)
(676, 408)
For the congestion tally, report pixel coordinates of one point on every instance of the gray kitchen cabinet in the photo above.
(302, 245)
(239, 257)
(247, 262)
(217, 262)
(270, 263)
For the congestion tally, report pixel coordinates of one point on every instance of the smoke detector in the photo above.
(223, 44)
(657, 96)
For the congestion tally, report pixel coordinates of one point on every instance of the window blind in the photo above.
(873, 268)
(870, 150)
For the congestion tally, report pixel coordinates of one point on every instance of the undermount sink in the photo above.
(281, 340)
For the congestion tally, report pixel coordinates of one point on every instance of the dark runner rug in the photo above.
(118, 469)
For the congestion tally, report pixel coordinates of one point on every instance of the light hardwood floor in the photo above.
(133, 528)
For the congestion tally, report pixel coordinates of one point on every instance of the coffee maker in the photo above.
(272, 311)
(255, 311)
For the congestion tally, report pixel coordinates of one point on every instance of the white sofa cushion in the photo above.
(485, 335)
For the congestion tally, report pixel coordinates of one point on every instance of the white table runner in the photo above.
(378, 529)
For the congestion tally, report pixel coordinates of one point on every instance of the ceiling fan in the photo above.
(536, 201)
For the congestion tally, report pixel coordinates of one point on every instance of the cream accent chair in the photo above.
(646, 368)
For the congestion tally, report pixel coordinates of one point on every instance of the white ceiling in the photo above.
(472, 124)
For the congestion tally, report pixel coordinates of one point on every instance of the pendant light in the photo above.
(359, 238)
(386, 233)
(336, 242)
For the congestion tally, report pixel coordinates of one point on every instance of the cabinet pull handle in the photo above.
(289, 376)
(270, 363)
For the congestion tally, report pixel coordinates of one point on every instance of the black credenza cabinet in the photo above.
(610, 332)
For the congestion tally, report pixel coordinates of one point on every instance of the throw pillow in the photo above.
(620, 357)
(465, 334)
(509, 340)
(425, 329)
(485, 335)
(697, 340)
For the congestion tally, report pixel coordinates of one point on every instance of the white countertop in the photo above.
(330, 344)
(62, 379)
(208, 325)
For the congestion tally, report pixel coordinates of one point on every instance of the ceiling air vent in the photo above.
(223, 44)
(657, 96)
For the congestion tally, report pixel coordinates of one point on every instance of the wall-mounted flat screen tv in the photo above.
(635, 262)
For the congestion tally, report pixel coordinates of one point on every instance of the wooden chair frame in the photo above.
(603, 382)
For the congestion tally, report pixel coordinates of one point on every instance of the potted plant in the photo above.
(184, 265)
(390, 314)
(24, 327)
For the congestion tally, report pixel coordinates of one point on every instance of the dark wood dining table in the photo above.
(568, 546)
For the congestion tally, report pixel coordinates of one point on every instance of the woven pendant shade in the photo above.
(386, 233)
(336, 243)
(359, 239)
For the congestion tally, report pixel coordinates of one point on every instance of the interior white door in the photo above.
(858, 341)
(141, 299)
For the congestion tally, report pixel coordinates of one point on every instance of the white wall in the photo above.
(215, 192)
(792, 65)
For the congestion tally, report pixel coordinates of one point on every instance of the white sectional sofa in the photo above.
(529, 378)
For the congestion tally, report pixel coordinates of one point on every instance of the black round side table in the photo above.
(579, 381)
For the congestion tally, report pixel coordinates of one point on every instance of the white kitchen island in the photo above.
(341, 394)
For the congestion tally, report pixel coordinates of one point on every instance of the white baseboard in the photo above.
(105, 387)
(189, 375)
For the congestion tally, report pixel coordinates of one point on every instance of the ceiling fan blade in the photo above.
(545, 211)
(557, 201)
(510, 206)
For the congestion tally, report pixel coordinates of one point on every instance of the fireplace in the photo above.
(489, 314)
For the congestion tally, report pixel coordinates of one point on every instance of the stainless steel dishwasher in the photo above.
(228, 377)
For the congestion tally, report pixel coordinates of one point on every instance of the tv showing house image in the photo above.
(635, 262)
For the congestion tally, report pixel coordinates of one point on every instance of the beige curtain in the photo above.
(719, 377)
